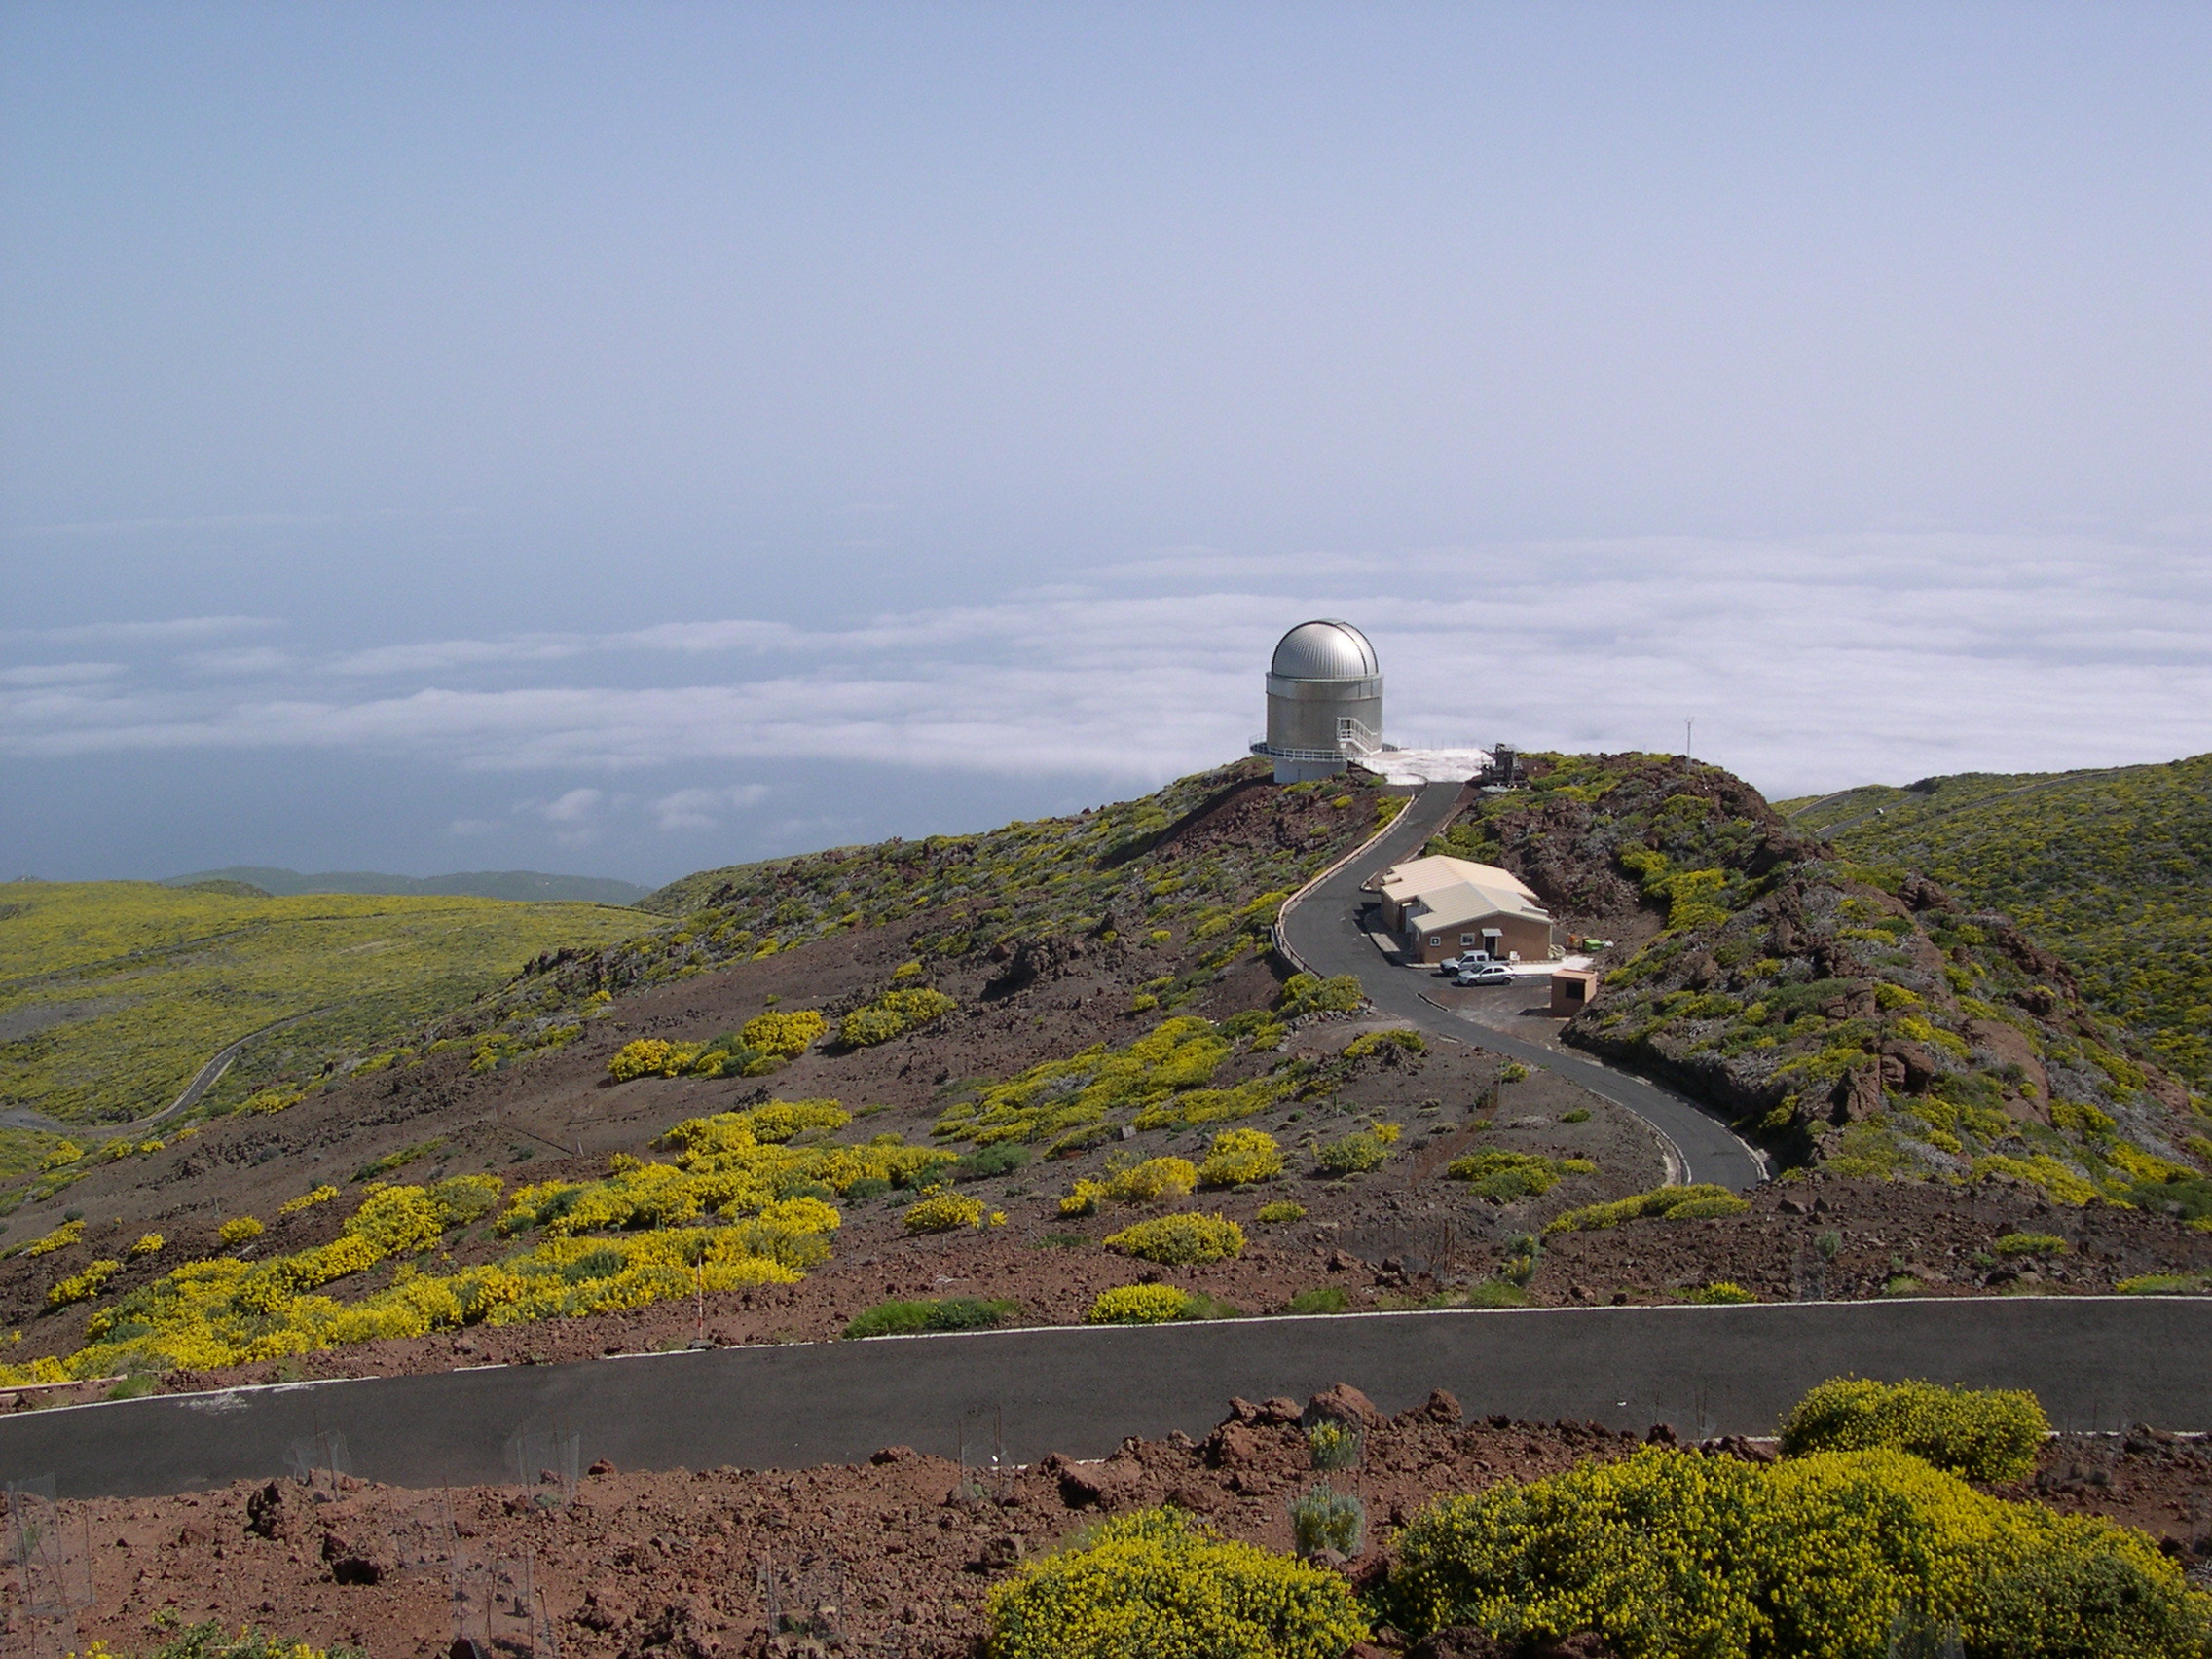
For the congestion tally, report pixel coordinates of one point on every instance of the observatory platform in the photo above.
(1427, 765)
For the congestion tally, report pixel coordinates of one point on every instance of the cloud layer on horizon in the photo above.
(1807, 665)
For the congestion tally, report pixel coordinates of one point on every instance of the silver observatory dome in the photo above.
(1324, 701)
(1325, 650)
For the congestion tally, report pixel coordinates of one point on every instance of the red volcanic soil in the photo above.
(902, 1549)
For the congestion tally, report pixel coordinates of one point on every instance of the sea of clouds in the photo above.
(1807, 665)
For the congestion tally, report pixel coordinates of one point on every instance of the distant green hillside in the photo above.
(533, 886)
(2111, 870)
(113, 995)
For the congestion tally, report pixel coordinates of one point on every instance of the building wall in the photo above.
(1532, 940)
(1302, 714)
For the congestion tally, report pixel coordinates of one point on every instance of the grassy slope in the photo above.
(167, 977)
(2111, 870)
(1856, 1014)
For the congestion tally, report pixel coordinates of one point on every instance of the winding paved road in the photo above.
(2096, 1363)
(1320, 929)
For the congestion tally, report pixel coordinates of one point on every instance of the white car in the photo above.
(1474, 959)
(1485, 973)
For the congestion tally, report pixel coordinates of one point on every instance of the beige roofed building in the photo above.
(1445, 907)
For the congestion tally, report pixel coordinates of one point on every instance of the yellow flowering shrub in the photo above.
(1671, 1553)
(943, 1210)
(1083, 1199)
(2060, 1183)
(146, 1244)
(60, 1155)
(1137, 1304)
(738, 1206)
(1160, 1079)
(239, 1230)
(1281, 1210)
(1148, 1182)
(216, 1641)
(307, 1201)
(1153, 1179)
(1683, 1204)
(1160, 1583)
(1237, 1157)
(1719, 1293)
(1986, 1434)
(893, 1015)
(60, 1239)
(652, 1056)
(83, 1285)
(786, 1035)
(1510, 1175)
(1179, 1240)
(730, 1163)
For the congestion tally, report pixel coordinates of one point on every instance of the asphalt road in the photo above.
(204, 1079)
(1321, 930)
(2095, 1362)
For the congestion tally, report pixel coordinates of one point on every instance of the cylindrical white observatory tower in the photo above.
(1324, 701)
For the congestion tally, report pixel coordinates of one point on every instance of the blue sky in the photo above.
(632, 438)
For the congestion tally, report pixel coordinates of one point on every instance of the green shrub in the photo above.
(986, 1163)
(1179, 1240)
(1239, 1157)
(1401, 1037)
(1138, 1305)
(1496, 1293)
(1157, 1582)
(2031, 1244)
(1705, 1210)
(1580, 1115)
(899, 1318)
(1671, 1201)
(893, 1015)
(1523, 1252)
(1984, 1434)
(1282, 1210)
(1670, 1553)
(1325, 1519)
(1321, 1299)
(1307, 993)
(1356, 1152)
(2162, 1285)
(2087, 1606)
(1335, 1444)
(1509, 1175)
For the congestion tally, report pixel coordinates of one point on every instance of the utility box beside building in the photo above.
(1572, 989)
